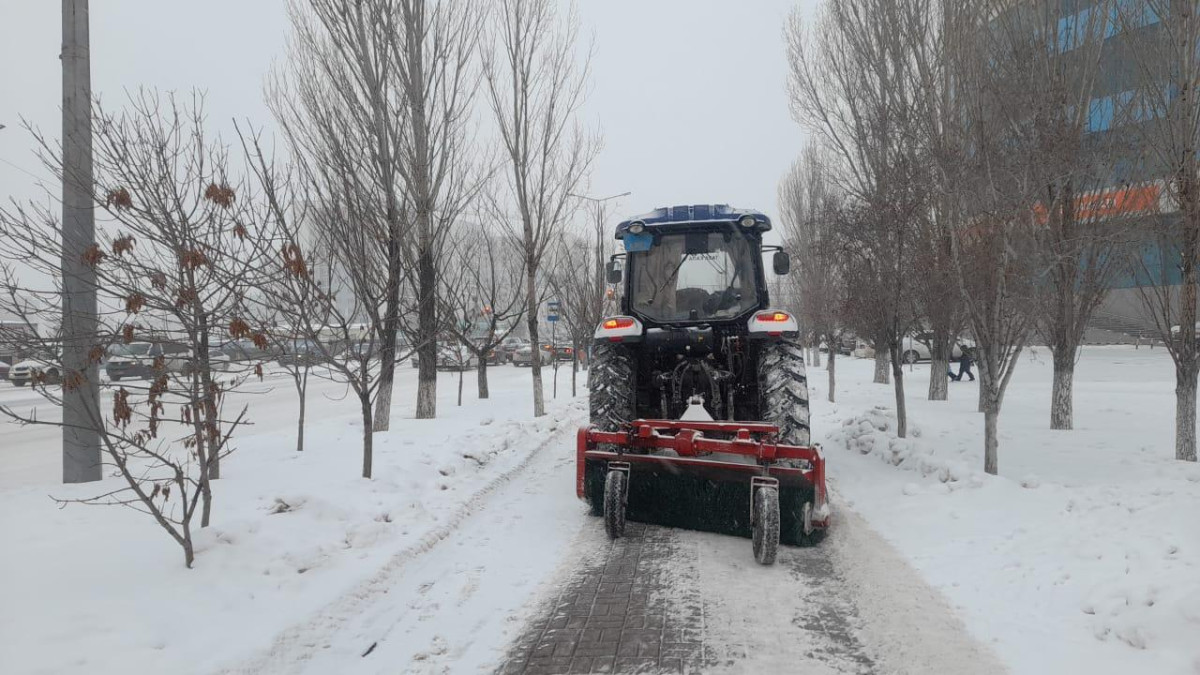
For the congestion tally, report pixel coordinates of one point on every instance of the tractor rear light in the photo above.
(618, 328)
(773, 323)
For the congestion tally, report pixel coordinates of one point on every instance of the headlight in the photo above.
(747, 221)
(637, 227)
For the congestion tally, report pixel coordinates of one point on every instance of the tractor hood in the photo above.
(680, 217)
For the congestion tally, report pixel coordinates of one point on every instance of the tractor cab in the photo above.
(694, 265)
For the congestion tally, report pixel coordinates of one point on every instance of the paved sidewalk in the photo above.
(618, 615)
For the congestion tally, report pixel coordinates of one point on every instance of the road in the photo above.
(22, 450)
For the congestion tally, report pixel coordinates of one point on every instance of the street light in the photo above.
(599, 200)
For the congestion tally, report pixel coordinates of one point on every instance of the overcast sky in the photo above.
(689, 94)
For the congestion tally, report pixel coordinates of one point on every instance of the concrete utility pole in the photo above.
(81, 399)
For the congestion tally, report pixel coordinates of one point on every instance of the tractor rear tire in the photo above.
(615, 494)
(783, 391)
(765, 533)
(611, 387)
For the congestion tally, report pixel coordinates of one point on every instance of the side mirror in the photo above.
(782, 262)
(614, 272)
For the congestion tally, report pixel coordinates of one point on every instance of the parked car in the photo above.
(524, 355)
(219, 360)
(357, 351)
(4, 368)
(510, 345)
(564, 351)
(23, 372)
(452, 356)
(301, 353)
(916, 348)
(246, 350)
(496, 357)
(136, 359)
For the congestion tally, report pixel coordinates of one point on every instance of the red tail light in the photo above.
(773, 317)
(618, 322)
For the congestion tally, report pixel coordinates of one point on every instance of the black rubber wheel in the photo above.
(911, 357)
(611, 387)
(615, 491)
(783, 388)
(765, 534)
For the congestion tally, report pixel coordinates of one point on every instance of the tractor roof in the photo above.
(695, 213)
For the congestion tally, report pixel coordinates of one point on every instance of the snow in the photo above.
(1082, 555)
(95, 590)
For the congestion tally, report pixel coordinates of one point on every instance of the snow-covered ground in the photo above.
(101, 590)
(1083, 555)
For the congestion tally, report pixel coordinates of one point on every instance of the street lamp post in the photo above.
(600, 279)
(81, 390)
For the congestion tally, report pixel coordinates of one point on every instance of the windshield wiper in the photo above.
(668, 279)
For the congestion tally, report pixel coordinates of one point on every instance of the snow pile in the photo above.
(874, 433)
(1083, 555)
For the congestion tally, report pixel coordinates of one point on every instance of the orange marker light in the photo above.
(618, 322)
(774, 317)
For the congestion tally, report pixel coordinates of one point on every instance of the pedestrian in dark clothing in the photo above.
(964, 367)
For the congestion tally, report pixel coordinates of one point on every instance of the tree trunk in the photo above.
(901, 409)
(427, 333)
(816, 355)
(983, 385)
(387, 347)
(481, 371)
(1186, 365)
(368, 439)
(1185, 413)
(460, 385)
(939, 367)
(302, 389)
(832, 370)
(535, 361)
(881, 361)
(1061, 399)
(189, 552)
(574, 367)
(991, 442)
(206, 500)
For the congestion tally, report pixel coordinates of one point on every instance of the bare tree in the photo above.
(433, 48)
(816, 285)
(483, 294)
(1163, 114)
(580, 292)
(995, 184)
(176, 255)
(343, 107)
(847, 84)
(535, 86)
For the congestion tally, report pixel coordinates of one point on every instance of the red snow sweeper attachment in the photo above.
(694, 474)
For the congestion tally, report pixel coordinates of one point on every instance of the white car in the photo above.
(136, 359)
(451, 356)
(916, 348)
(24, 372)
